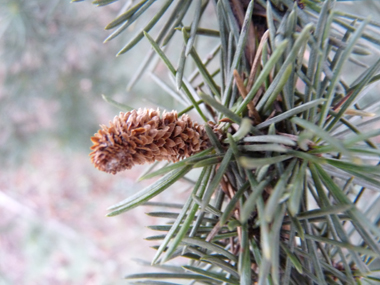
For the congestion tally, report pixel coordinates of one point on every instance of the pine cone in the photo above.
(142, 136)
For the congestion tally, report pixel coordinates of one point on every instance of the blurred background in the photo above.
(53, 70)
(53, 202)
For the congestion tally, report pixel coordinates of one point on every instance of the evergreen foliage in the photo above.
(288, 192)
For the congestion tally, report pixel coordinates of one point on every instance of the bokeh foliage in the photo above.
(53, 77)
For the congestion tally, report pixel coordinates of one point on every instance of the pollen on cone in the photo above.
(142, 136)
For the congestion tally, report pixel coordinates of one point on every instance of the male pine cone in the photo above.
(142, 136)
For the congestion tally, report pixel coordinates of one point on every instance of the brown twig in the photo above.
(251, 107)
(257, 60)
(239, 12)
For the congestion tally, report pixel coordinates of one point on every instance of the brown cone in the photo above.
(142, 136)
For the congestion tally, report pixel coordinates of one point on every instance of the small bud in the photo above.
(142, 136)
